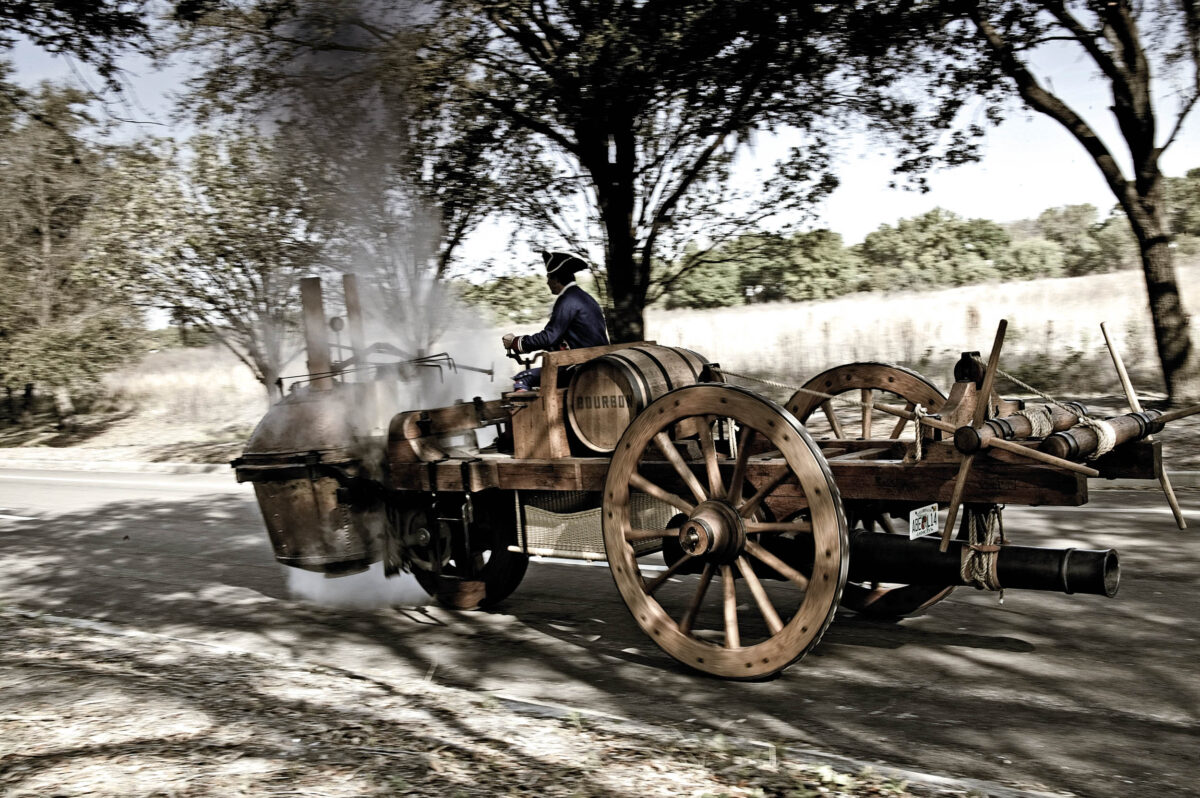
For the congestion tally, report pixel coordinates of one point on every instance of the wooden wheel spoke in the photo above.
(661, 579)
(901, 422)
(774, 622)
(709, 449)
(780, 567)
(960, 482)
(733, 638)
(747, 509)
(867, 396)
(664, 444)
(646, 486)
(689, 616)
(778, 526)
(640, 535)
(739, 465)
(831, 415)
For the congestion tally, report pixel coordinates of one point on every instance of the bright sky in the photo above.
(1030, 162)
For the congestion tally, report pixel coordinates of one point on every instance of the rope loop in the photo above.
(985, 531)
(1040, 419)
(1106, 436)
(918, 414)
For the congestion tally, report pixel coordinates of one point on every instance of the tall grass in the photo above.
(1053, 342)
(207, 386)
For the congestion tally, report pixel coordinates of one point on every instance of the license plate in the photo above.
(923, 521)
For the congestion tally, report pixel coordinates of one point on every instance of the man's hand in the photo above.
(510, 341)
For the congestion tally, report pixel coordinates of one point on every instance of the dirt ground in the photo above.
(93, 709)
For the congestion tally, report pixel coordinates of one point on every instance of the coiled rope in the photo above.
(985, 534)
(1106, 436)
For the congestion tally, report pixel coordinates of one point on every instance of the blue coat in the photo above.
(575, 322)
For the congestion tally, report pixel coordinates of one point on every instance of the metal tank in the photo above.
(316, 469)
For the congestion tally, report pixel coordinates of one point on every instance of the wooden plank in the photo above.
(1136, 460)
(990, 481)
(447, 420)
(529, 431)
(862, 454)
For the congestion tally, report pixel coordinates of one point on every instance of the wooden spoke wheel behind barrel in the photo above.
(747, 613)
(868, 383)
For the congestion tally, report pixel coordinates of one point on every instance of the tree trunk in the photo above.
(271, 381)
(27, 400)
(64, 409)
(1172, 326)
(628, 278)
(1180, 359)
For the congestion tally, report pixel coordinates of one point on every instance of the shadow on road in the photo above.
(1077, 693)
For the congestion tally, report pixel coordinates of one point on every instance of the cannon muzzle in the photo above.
(880, 557)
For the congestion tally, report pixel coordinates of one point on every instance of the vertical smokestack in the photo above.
(354, 320)
(316, 337)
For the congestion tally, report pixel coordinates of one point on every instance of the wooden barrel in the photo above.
(608, 392)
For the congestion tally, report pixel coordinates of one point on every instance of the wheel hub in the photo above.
(713, 530)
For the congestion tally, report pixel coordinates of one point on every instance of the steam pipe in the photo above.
(316, 337)
(354, 318)
(880, 557)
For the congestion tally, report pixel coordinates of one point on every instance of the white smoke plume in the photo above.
(367, 590)
(350, 112)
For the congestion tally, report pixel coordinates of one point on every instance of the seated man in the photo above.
(576, 321)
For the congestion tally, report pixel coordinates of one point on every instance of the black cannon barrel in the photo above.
(880, 557)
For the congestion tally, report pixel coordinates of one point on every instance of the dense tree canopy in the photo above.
(616, 123)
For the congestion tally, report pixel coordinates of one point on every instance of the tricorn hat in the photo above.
(561, 263)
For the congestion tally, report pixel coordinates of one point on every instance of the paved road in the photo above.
(1074, 693)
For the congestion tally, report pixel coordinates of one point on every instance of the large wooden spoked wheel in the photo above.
(871, 383)
(762, 613)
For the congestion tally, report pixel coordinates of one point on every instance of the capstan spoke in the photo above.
(778, 526)
(783, 569)
(640, 535)
(739, 466)
(709, 450)
(899, 428)
(733, 638)
(747, 509)
(867, 397)
(774, 623)
(834, 424)
(659, 580)
(646, 486)
(664, 444)
(689, 617)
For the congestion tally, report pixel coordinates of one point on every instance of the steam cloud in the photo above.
(347, 111)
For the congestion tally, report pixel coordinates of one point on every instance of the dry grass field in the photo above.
(202, 403)
(1053, 342)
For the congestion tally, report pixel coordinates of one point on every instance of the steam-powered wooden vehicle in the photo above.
(733, 526)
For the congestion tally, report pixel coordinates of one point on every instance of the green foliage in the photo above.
(938, 248)
(766, 268)
(1183, 203)
(1031, 258)
(514, 299)
(1071, 228)
(1116, 248)
(221, 237)
(61, 323)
